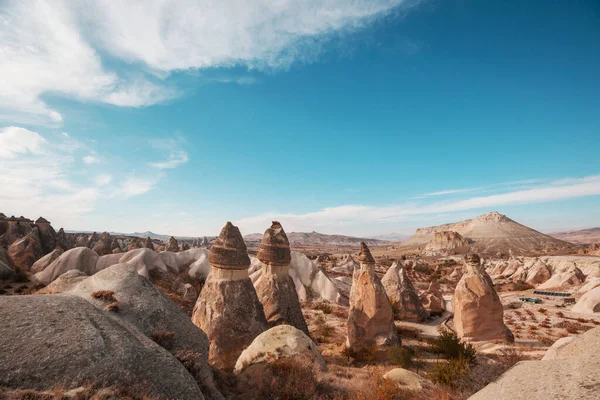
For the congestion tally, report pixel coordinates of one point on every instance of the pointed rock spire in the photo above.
(172, 245)
(402, 294)
(365, 257)
(229, 251)
(275, 247)
(149, 244)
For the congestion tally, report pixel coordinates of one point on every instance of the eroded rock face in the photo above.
(228, 309)
(280, 342)
(478, 311)
(80, 344)
(275, 287)
(402, 295)
(134, 244)
(538, 273)
(80, 258)
(149, 244)
(446, 242)
(102, 246)
(25, 251)
(589, 303)
(62, 240)
(45, 261)
(370, 318)
(172, 245)
(433, 300)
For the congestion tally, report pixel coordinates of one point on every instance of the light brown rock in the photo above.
(478, 311)
(172, 245)
(370, 318)
(446, 242)
(402, 295)
(25, 251)
(589, 303)
(45, 261)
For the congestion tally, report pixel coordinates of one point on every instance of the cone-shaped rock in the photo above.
(370, 318)
(478, 311)
(62, 241)
(134, 243)
(402, 294)
(228, 309)
(25, 251)
(149, 244)
(275, 287)
(172, 245)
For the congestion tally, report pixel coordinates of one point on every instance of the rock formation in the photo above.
(25, 251)
(69, 341)
(45, 261)
(62, 241)
(281, 342)
(564, 276)
(91, 240)
(478, 311)
(347, 267)
(47, 234)
(102, 246)
(172, 245)
(134, 244)
(275, 287)
(370, 318)
(80, 258)
(589, 303)
(402, 295)
(115, 247)
(446, 242)
(185, 246)
(538, 273)
(228, 309)
(433, 300)
(149, 244)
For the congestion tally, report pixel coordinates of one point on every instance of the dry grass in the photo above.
(323, 306)
(163, 338)
(112, 307)
(107, 296)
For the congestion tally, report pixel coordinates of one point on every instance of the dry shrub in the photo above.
(367, 354)
(400, 356)
(379, 388)
(545, 340)
(409, 332)
(509, 356)
(323, 306)
(163, 338)
(542, 310)
(104, 295)
(114, 307)
(341, 312)
(450, 373)
(560, 314)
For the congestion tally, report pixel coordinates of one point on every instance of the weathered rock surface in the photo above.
(149, 244)
(179, 261)
(538, 273)
(563, 277)
(80, 258)
(347, 267)
(6, 272)
(62, 240)
(478, 311)
(47, 234)
(570, 373)
(172, 245)
(281, 342)
(433, 300)
(25, 251)
(406, 379)
(370, 318)
(228, 309)
(589, 303)
(402, 295)
(63, 339)
(446, 242)
(45, 261)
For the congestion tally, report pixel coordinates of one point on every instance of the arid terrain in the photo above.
(443, 315)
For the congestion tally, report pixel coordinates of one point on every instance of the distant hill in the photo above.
(582, 236)
(493, 232)
(316, 238)
(391, 237)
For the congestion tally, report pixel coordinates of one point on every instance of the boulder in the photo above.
(64, 340)
(402, 295)
(370, 318)
(478, 311)
(538, 273)
(570, 372)
(188, 292)
(228, 309)
(275, 287)
(406, 379)
(80, 258)
(172, 245)
(281, 342)
(25, 251)
(589, 303)
(45, 261)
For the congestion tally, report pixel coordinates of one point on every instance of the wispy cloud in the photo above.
(354, 215)
(103, 179)
(60, 47)
(175, 154)
(134, 186)
(91, 159)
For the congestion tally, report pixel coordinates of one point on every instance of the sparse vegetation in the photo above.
(400, 356)
(450, 346)
(104, 295)
(163, 339)
(323, 306)
(112, 307)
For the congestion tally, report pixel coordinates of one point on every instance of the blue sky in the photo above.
(362, 118)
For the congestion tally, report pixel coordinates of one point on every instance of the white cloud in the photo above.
(57, 47)
(360, 215)
(134, 186)
(175, 155)
(15, 141)
(91, 159)
(104, 179)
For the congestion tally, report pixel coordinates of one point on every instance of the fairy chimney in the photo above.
(275, 287)
(370, 318)
(478, 311)
(402, 294)
(172, 245)
(149, 244)
(228, 309)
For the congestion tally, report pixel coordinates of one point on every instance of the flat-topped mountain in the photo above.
(492, 233)
(582, 236)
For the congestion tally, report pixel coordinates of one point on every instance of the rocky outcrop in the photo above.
(478, 311)
(446, 242)
(281, 342)
(406, 379)
(45, 261)
(172, 245)
(565, 276)
(185, 246)
(80, 258)
(70, 342)
(103, 245)
(347, 267)
(589, 303)
(25, 251)
(370, 318)
(62, 240)
(134, 243)
(570, 373)
(228, 309)
(91, 240)
(115, 247)
(433, 300)
(538, 273)
(149, 244)
(275, 287)
(402, 295)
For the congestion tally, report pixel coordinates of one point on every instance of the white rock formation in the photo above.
(589, 303)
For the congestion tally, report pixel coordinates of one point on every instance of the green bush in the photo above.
(451, 373)
(450, 346)
(401, 356)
